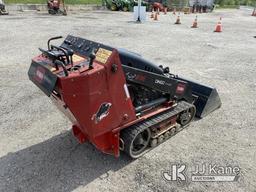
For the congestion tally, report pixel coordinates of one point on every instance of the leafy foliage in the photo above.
(66, 1)
(222, 3)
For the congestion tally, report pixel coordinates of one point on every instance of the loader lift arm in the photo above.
(174, 88)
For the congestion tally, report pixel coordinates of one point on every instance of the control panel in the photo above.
(83, 47)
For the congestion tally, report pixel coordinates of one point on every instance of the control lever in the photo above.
(63, 51)
(50, 55)
(92, 56)
(58, 62)
(53, 38)
(71, 53)
(67, 53)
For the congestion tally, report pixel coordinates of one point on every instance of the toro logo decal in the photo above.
(39, 74)
(180, 88)
(102, 112)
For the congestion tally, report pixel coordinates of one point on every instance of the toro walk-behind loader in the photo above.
(115, 99)
(54, 7)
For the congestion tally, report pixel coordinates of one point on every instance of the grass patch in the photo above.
(98, 2)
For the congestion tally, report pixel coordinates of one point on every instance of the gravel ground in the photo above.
(38, 152)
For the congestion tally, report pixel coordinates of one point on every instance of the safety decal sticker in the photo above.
(102, 112)
(77, 58)
(102, 55)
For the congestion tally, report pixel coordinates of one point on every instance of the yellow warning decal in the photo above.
(50, 68)
(77, 58)
(102, 55)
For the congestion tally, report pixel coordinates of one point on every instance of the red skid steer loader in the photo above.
(54, 7)
(116, 99)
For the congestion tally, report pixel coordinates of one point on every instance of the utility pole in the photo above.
(139, 6)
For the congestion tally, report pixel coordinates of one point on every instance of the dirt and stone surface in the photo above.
(37, 149)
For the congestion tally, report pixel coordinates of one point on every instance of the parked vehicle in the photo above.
(2, 8)
(124, 5)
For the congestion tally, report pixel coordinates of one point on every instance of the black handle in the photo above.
(92, 56)
(53, 38)
(62, 50)
(57, 62)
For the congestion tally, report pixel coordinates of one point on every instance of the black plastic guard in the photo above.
(208, 98)
(40, 75)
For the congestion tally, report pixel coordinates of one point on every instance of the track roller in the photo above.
(160, 139)
(141, 137)
(167, 134)
(153, 143)
(172, 131)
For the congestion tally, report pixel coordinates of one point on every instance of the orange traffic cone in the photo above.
(218, 26)
(178, 20)
(165, 10)
(152, 14)
(254, 12)
(156, 17)
(194, 25)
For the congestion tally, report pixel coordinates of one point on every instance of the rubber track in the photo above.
(129, 133)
